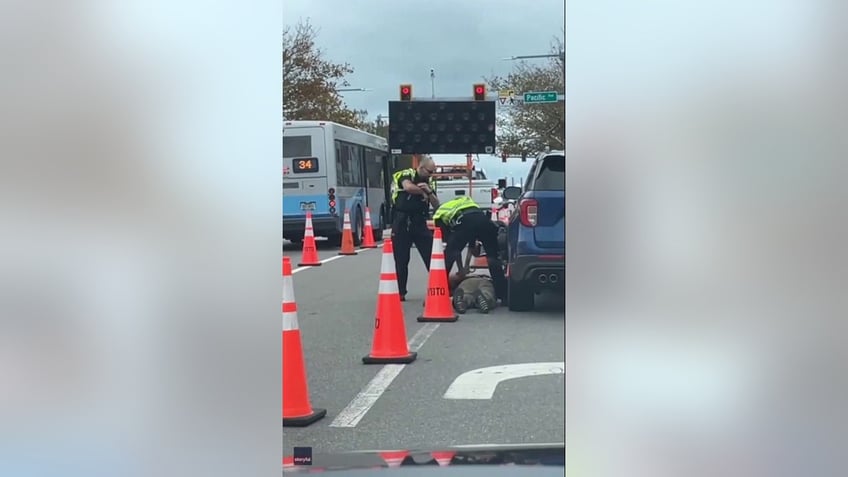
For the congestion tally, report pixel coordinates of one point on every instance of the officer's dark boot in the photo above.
(459, 301)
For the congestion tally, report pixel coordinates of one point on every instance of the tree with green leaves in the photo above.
(376, 127)
(311, 82)
(529, 128)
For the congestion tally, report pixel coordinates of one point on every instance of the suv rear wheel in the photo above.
(521, 296)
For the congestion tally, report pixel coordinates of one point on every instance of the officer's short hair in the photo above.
(426, 160)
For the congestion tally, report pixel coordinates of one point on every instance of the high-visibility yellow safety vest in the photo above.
(407, 174)
(449, 211)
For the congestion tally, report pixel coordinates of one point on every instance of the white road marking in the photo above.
(528, 444)
(300, 269)
(476, 446)
(481, 383)
(362, 403)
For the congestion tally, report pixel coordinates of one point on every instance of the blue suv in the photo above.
(536, 232)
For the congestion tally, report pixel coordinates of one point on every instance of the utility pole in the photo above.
(432, 83)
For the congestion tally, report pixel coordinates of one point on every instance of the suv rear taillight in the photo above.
(529, 211)
(331, 200)
(494, 193)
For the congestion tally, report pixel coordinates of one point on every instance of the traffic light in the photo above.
(480, 92)
(406, 92)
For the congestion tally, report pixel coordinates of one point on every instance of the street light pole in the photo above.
(560, 55)
(528, 57)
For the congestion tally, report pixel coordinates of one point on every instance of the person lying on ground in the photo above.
(472, 291)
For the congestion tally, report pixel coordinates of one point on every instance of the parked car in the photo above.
(536, 232)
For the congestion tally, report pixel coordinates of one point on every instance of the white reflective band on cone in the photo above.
(388, 264)
(388, 287)
(437, 263)
(290, 321)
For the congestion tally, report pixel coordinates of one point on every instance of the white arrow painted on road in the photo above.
(481, 383)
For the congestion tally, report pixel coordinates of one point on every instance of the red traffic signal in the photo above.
(479, 92)
(406, 92)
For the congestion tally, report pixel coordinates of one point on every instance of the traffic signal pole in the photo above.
(479, 94)
(468, 166)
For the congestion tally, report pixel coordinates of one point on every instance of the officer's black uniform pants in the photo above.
(472, 227)
(406, 230)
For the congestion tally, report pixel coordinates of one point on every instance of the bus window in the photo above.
(297, 146)
(348, 165)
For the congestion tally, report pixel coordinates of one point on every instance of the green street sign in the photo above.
(541, 97)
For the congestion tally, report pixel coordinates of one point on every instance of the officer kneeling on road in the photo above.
(463, 222)
(414, 192)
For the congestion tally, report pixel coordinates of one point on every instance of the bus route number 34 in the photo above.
(305, 165)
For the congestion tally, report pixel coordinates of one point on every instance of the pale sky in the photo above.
(389, 43)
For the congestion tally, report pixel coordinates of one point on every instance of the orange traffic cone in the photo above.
(473, 263)
(347, 237)
(309, 258)
(389, 345)
(368, 234)
(443, 458)
(297, 411)
(394, 458)
(503, 215)
(437, 305)
(479, 262)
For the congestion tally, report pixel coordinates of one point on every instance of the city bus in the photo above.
(329, 168)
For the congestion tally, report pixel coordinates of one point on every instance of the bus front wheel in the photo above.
(358, 226)
(378, 231)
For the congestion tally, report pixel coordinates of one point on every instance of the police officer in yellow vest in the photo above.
(463, 222)
(414, 191)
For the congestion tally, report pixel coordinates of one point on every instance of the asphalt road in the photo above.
(404, 407)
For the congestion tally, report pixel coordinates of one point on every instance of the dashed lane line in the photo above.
(300, 269)
(362, 403)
